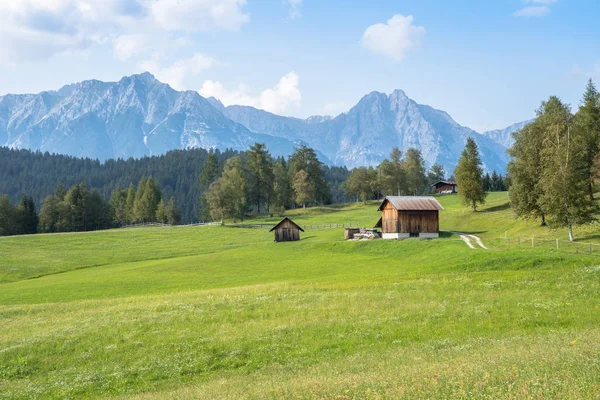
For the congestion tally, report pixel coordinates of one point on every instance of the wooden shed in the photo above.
(445, 187)
(409, 216)
(287, 231)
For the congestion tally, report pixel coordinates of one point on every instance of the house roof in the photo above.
(416, 203)
(282, 221)
(444, 183)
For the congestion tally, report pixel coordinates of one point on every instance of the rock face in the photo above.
(366, 134)
(140, 116)
(504, 136)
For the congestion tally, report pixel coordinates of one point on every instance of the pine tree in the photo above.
(118, 205)
(487, 182)
(282, 187)
(414, 166)
(565, 195)
(210, 173)
(148, 203)
(161, 213)
(130, 204)
(391, 174)
(261, 175)
(8, 217)
(305, 159)
(436, 173)
(525, 170)
(303, 188)
(173, 213)
(139, 214)
(469, 176)
(587, 125)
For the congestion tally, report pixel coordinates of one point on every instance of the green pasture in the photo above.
(224, 312)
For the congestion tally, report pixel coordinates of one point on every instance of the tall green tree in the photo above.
(436, 173)
(173, 212)
(130, 204)
(565, 195)
(362, 184)
(8, 217)
(148, 204)
(586, 125)
(469, 176)
(227, 196)
(162, 215)
(27, 216)
(209, 174)
(261, 178)
(50, 214)
(525, 170)
(303, 188)
(118, 205)
(414, 166)
(391, 174)
(282, 187)
(305, 159)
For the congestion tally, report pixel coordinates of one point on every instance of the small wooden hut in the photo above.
(409, 216)
(445, 187)
(286, 231)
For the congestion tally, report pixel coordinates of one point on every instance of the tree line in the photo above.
(555, 161)
(79, 209)
(256, 182)
(401, 175)
(38, 174)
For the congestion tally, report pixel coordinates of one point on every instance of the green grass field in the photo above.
(223, 312)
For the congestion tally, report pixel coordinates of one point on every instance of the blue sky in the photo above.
(487, 63)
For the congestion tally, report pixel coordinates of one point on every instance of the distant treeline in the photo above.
(177, 173)
(406, 175)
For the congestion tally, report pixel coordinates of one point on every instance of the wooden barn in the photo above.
(409, 216)
(286, 231)
(445, 187)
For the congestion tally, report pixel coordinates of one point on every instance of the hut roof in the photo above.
(282, 221)
(412, 203)
(444, 183)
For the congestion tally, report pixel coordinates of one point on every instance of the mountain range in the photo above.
(140, 116)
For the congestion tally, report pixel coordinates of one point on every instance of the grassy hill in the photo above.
(223, 312)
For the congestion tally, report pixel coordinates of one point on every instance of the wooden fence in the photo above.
(551, 244)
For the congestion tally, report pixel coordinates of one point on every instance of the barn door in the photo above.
(414, 224)
(287, 235)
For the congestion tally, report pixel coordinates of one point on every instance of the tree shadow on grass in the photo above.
(501, 207)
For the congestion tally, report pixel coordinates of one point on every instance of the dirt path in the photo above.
(467, 239)
(478, 240)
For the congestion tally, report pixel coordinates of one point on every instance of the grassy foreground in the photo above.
(218, 312)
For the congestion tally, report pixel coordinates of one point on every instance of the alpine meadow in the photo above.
(243, 199)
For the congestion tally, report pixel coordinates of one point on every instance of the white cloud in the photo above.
(32, 30)
(533, 11)
(394, 38)
(280, 99)
(294, 8)
(127, 46)
(199, 15)
(176, 73)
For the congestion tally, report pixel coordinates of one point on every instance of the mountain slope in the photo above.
(367, 132)
(140, 116)
(134, 117)
(504, 136)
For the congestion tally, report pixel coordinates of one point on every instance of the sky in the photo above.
(489, 63)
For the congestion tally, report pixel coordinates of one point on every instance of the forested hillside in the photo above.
(177, 172)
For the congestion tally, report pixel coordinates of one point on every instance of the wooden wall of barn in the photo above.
(287, 232)
(419, 221)
(389, 219)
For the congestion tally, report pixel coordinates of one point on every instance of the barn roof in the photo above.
(282, 221)
(444, 183)
(416, 203)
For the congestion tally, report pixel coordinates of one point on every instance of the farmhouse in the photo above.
(409, 216)
(286, 231)
(445, 187)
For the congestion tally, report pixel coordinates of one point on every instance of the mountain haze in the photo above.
(139, 116)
